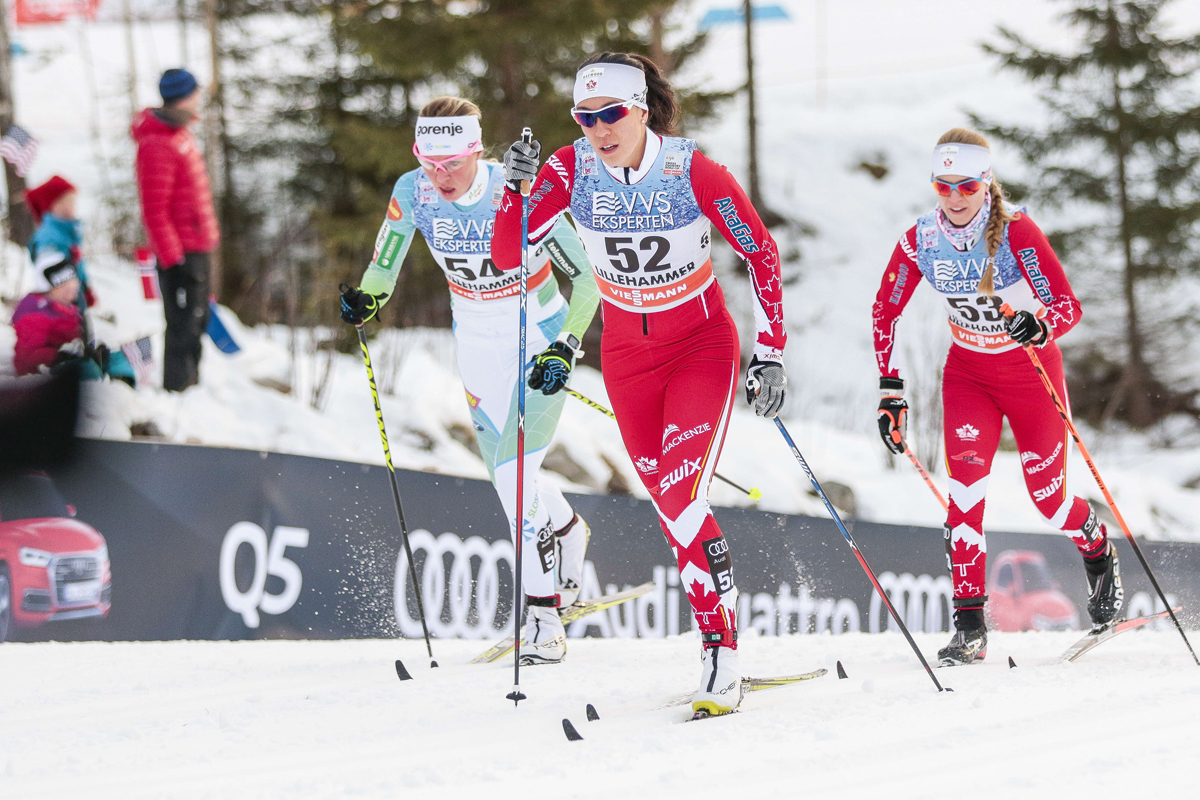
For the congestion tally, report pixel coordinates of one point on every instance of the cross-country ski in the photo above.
(1095, 638)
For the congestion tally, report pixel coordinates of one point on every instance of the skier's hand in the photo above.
(521, 164)
(552, 367)
(358, 306)
(766, 385)
(893, 414)
(1026, 329)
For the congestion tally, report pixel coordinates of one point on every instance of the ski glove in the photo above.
(358, 306)
(766, 384)
(893, 414)
(1027, 329)
(521, 164)
(552, 367)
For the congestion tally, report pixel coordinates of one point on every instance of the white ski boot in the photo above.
(545, 640)
(572, 548)
(720, 683)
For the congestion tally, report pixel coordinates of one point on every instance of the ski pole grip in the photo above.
(1007, 310)
(527, 138)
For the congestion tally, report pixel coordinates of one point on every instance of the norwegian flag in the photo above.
(19, 148)
(140, 357)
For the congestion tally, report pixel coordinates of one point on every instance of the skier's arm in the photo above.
(567, 253)
(900, 280)
(392, 244)
(1045, 274)
(730, 211)
(551, 196)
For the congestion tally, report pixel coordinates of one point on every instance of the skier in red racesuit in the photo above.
(643, 202)
(981, 253)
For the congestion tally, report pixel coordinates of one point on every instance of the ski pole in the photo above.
(752, 493)
(862, 560)
(1007, 311)
(921, 470)
(387, 457)
(518, 599)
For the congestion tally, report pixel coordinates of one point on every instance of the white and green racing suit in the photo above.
(485, 305)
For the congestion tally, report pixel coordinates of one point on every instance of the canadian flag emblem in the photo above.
(591, 85)
(947, 162)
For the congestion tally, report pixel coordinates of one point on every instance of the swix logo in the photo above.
(610, 204)
(689, 468)
(704, 427)
(969, 457)
(646, 466)
(1044, 464)
(968, 433)
(738, 229)
(462, 229)
(1050, 489)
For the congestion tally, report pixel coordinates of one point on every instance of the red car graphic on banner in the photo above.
(1025, 597)
(52, 567)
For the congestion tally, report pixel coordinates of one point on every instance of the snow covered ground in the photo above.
(329, 719)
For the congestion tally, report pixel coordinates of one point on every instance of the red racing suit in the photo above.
(670, 348)
(988, 377)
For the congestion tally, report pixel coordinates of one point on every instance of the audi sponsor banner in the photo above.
(140, 541)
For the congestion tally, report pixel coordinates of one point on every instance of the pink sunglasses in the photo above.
(448, 164)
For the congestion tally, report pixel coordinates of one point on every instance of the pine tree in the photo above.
(1123, 149)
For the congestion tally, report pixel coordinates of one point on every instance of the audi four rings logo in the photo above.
(717, 547)
(471, 608)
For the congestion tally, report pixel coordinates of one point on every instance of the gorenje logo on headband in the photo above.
(440, 130)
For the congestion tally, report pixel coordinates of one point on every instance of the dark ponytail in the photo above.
(660, 97)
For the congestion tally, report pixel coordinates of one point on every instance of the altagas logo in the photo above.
(968, 433)
(646, 466)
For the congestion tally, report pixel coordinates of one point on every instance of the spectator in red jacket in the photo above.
(177, 209)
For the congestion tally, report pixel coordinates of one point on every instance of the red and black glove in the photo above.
(1027, 329)
(893, 414)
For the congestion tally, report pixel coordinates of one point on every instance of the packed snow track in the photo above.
(288, 719)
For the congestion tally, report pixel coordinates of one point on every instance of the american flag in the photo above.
(140, 357)
(18, 148)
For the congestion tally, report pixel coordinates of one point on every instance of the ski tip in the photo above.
(1011, 664)
(592, 716)
(432, 664)
(401, 672)
(569, 730)
(841, 671)
(755, 494)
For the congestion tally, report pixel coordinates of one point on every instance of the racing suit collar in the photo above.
(631, 176)
(483, 174)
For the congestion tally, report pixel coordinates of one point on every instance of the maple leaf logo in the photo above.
(968, 433)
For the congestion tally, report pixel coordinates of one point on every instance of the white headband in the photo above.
(611, 80)
(968, 160)
(441, 137)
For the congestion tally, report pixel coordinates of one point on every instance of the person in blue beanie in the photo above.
(178, 212)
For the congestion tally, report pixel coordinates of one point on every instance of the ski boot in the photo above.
(720, 681)
(1106, 595)
(545, 640)
(572, 542)
(970, 635)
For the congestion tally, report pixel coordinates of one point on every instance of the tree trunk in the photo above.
(214, 135)
(20, 221)
(1136, 379)
(769, 217)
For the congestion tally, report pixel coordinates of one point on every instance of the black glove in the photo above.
(552, 367)
(893, 414)
(1025, 328)
(766, 384)
(521, 164)
(100, 354)
(358, 306)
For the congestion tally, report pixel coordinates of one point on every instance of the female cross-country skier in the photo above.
(643, 201)
(980, 252)
(452, 200)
